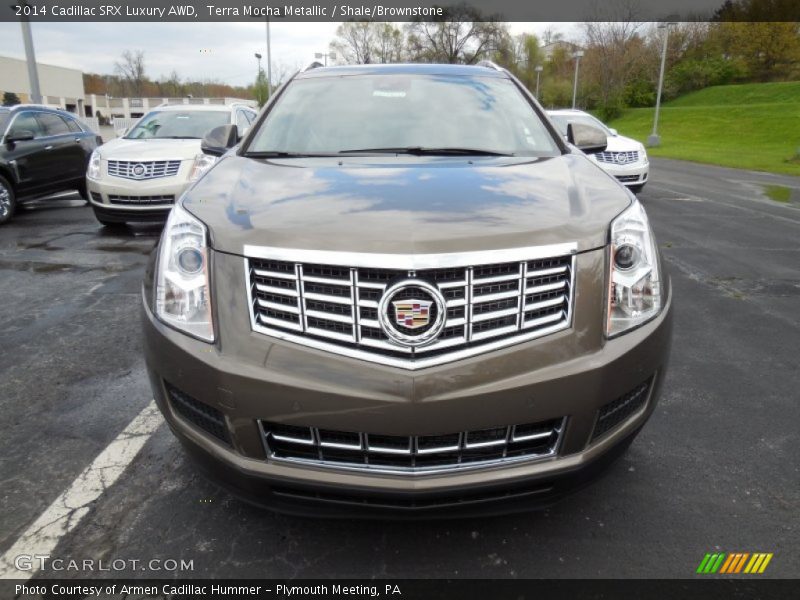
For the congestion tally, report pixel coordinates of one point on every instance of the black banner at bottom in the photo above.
(401, 589)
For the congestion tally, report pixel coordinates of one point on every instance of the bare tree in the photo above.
(388, 41)
(461, 35)
(354, 42)
(131, 71)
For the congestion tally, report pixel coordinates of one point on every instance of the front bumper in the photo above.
(248, 376)
(634, 174)
(118, 198)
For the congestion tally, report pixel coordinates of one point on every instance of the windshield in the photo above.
(561, 122)
(323, 115)
(191, 124)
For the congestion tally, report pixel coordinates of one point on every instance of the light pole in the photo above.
(332, 56)
(538, 69)
(258, 58)
(654, 139)
(577, 55)
(30, 57)
(269, 63)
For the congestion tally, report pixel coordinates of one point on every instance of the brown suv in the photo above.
(403, 292)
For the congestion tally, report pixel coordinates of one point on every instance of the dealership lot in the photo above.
(716, 469)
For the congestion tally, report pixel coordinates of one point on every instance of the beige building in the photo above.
(112, 107)
(60, 87)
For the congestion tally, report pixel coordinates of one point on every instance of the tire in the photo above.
(636, 188)
(84, 192)
(8, 200)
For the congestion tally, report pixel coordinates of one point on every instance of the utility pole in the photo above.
(538, 69)
(654, 139)
(30, 56)
(577, 55)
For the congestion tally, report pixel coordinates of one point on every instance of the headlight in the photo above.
(635, 284)
(643, 154)
(202, 163)
(183, 298)
(93, 172)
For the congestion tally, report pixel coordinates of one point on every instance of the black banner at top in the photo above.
(397, 10)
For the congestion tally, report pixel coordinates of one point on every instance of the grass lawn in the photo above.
(751, 126)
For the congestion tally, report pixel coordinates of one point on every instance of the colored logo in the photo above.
(412, 313)
(733, 563)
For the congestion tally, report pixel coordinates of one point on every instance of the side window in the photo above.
(73, 125)
(52, 124)
(27, 122)
(241, 121)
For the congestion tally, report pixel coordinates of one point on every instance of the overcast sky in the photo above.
(229, 47)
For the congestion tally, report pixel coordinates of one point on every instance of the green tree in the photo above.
(261, 89)
(10, 99)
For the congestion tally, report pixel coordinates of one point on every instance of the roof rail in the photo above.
(490, 65)
(314, 65)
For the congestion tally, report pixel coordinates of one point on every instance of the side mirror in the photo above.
(121, 132)
(219, 140)
(587, 138)
(20, 135)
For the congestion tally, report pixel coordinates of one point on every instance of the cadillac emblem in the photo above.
(412, 313)
(139, 170)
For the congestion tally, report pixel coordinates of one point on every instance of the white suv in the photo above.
(138, 177)
(624, 158)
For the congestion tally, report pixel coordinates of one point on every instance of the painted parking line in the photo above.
(66, 511)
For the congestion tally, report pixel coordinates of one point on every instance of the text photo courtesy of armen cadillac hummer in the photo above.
(404, 302)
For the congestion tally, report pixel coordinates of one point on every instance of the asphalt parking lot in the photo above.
(716, 469)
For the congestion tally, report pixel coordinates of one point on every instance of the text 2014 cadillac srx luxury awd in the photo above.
(403, 292)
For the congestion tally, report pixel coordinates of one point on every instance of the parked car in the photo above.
(624, 158)
(138, 176)
(42, 151)
(424, 302)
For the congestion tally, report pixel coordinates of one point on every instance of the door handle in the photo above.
(48, 147)
(77, 140)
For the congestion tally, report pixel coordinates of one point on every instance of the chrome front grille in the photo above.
(617, 158)
(152, 169)
(411, 454)
(528, 293)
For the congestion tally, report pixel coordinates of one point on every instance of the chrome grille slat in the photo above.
(617, 158)
(151, 169)
(411, 454)
(488, 305)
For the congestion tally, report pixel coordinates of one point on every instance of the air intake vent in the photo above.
(617, 411)
(201, 415)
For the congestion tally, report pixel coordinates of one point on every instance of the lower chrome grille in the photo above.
(411, 454)
(617, 411)
(140, 200)
(484, 304)
(628, 178)
(617, 158)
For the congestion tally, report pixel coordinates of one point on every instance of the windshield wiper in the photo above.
(423, 151)
(282, 154)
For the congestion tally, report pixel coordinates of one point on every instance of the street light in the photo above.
(577, 55)
(654, 139)
(258, 58)
(538, 69)
(332, 56)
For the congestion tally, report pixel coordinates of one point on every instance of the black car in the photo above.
(42, 151)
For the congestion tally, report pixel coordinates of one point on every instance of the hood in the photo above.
(620, 143)
(400, 205)
(152, 149)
